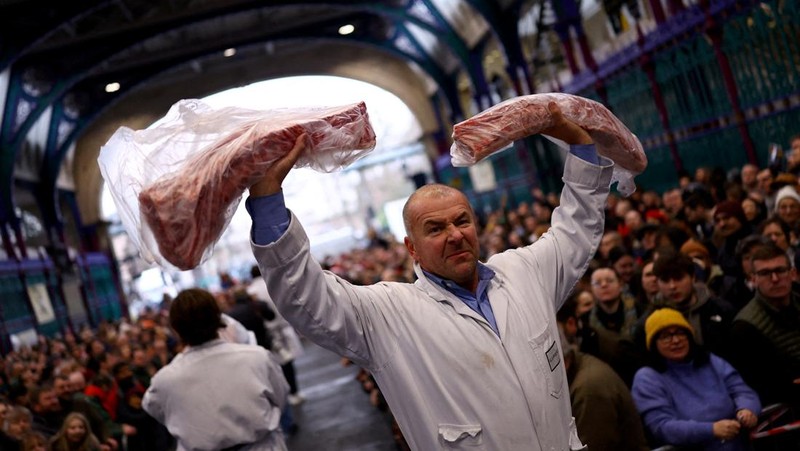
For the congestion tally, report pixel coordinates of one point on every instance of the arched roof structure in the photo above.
(56, 59)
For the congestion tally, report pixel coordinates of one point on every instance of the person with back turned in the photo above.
(216, 395)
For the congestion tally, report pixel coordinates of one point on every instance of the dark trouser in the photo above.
(288, 373)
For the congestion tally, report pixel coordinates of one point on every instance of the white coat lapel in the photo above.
(443, 296)
(499, 305)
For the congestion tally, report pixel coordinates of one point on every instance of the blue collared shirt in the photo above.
(479, 301)
(271, 220)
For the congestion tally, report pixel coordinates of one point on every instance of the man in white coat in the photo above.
(205, 404)
(467, 357)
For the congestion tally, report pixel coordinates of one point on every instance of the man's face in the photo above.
(677, 290)
(695, 215)
(789, 210)
(633, 220)
(443, 238)
(62, 388)
(749, 173)
(622, 208)
(48, 402)
(672, 201)
(609, 240)
(764, 179)
(139, 358)
(794, 153)
(585, 303)
(606, 285)
(775, 233)
(773, 278)
(625, 267)
(649, 280)
(77, 381)
(726, 225)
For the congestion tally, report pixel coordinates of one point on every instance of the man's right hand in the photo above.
(273, 178)
(564, 129)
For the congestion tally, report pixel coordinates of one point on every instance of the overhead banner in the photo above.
(482, 176)
(40, 300)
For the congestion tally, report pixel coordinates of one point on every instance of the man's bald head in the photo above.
(77, 381)
(427, 192)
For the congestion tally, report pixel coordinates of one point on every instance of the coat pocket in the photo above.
(456, 436)
(547, 356)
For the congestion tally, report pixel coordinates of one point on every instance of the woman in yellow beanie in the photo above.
(687, 396)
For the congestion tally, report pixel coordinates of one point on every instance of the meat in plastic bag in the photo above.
(495, 128)
(177, 183)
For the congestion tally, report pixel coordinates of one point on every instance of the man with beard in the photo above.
(46, 410)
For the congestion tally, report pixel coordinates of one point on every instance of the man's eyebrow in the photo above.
(432, 221)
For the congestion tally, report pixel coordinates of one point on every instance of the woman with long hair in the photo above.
(75, 435)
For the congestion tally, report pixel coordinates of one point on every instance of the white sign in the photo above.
(40, 301)
(482, 176)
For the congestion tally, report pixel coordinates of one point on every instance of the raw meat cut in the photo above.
(491, 130)
(187, 211)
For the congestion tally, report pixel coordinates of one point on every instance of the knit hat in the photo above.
(656, 214)
(691, 246)
(661, 319)
(786, 192)
(731, 208)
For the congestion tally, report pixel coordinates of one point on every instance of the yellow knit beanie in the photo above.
(661, 319)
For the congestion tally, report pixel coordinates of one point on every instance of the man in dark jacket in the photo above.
(604, 411)
(766, 332)
(252, 315)
(710, 316)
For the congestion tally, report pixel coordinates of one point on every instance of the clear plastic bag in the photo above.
(177, 183)
(495, 128)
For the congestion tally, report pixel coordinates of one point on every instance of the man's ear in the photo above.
(410, 246)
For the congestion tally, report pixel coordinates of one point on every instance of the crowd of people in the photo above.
(684, 326)
(85, 390)
(686, 323)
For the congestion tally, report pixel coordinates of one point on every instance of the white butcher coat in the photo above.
(220, 394)
(450, 381)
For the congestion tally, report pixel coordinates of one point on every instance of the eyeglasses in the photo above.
(599, 282)
(666, 337)
(780, 271)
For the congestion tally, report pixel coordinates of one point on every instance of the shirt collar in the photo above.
(485, 274)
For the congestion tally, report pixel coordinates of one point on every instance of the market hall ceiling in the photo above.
(58, 59)
(64, 54)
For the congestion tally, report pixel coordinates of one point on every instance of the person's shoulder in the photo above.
(594, 372)
(745, 315)
(241, 349)
(646, 374)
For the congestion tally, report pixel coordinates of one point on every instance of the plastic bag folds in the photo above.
(495, 128)
(177, 183)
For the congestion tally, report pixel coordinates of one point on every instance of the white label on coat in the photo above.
(553, 357)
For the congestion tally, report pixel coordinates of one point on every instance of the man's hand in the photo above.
(564, 129)
(273, 178)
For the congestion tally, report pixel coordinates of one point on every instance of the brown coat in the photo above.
(603, 407)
